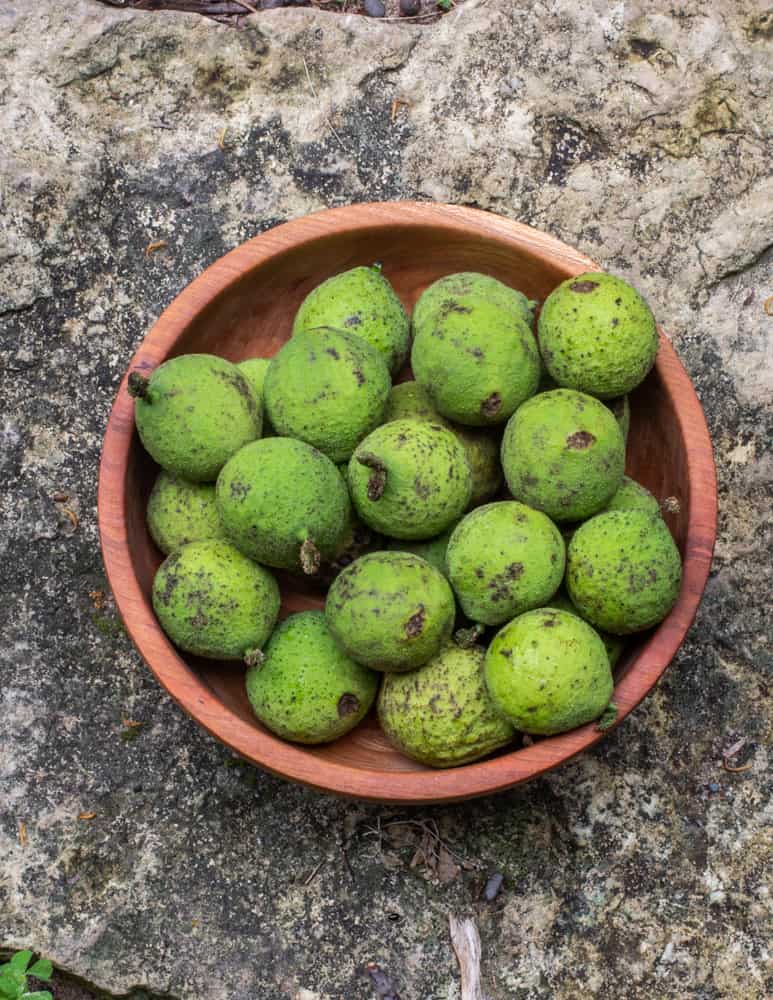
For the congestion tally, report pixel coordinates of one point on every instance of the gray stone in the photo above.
(636, 132)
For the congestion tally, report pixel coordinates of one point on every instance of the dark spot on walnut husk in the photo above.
(415, 623)
(514, 570)
(199, 620)
(171, 581)
(359, 376)
(615, 321)
(238, 489)
(549, 622)
(333, 353)
(491, 405)
(584, 286)
(353, 320)
(348, 704)
(580, 440)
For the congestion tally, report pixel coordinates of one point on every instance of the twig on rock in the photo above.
(466, 943)
(314, 95)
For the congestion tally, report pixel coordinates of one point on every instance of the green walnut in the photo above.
(410, 401)
(633, 496)
(476, 358)
(180, 512)
(464, 283)
(547, 672)
(441, 714)
(284, 504)
(613, 644)
(327, 388)
(213, 601)
(504, 558)
(390, 611)
(410, 479)
(563, 453)
(623, 570)
(597, 335)
(362, 302)
(433, 549)
(192, 413)
(305, 688)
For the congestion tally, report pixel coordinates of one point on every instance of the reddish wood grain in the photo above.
(243, 306)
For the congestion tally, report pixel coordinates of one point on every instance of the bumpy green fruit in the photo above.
(284, 504)
(504, 558)
(441, 714)
(410, 401)
(410, 479)
(193, 413)
(613, 644)
(390, 610)
(621, 408)
(563, 453)
(466, 283)
(476, 357)
(433, 550)
(623, 570)
(547, 671)
(305, 688)
(598, 335)
(482, 448)
(362, 302)
(632, 496)
(180, 512)
(213, 601)
(327, 388)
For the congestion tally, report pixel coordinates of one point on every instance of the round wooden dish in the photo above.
(243, 306)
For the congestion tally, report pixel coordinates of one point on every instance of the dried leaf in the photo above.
(446, 869)
(151, 248)
(132, 723)
(72, 517)
(22, 833)
(401, 835)
(87, 815)
(97, 599)
(391, 860)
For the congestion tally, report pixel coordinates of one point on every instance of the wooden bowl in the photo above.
(243, 306)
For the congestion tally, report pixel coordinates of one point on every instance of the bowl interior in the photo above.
(252, 317)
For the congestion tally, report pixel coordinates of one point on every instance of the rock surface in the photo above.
(147, 860)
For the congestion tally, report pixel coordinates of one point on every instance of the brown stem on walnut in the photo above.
(254, 657)
(378, 478)
(137, 385)
(310, 557)
(465, 638)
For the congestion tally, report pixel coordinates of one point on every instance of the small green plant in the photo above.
(13, 977)
(445, 5)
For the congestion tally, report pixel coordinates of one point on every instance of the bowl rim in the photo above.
(293, 761)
